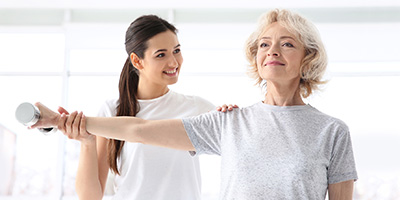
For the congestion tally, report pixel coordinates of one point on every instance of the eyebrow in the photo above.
(283, 37)
(162, 50)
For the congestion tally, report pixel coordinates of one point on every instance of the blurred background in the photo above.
(70, 53)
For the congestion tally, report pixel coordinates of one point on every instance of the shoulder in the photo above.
(108, 108)
(110, 104)
(328, 120)
(191, 98)
(241, 113)
(245, 111)
(194, 101)
(255, 106)
(203, 102)
(226, 120)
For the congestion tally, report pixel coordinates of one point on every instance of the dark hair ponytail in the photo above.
(137, 35)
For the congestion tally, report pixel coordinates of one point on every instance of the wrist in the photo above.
(88, 144)
(56, 119)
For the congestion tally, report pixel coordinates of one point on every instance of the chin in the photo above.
(171, 82)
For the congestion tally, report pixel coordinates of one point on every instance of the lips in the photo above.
(173, 71)
(274, 62)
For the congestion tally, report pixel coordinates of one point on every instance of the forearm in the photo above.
(87, 179)
(121, 128)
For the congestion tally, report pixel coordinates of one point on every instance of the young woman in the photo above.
(278, 148)
(143, 172)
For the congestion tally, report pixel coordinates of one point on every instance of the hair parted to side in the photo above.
(313, 65)
(136, 41)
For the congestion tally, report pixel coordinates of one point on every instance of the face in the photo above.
(279, 55)
(162, 60)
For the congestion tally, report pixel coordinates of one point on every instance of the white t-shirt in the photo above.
(157, 173)
(274, 152)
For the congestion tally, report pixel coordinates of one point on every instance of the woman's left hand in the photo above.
(74, 127)
(225, 107)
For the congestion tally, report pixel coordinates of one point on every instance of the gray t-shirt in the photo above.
(273, 152)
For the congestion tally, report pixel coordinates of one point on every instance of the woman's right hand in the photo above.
(74, 127)
(48, 118)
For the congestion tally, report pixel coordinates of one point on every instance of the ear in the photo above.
(136, 61)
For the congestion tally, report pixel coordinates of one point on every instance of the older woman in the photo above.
(278, 148)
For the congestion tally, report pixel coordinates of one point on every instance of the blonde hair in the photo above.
(315, 60)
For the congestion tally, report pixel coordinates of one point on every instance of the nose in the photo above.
(273, 54)
(273, 51)
(173, 62)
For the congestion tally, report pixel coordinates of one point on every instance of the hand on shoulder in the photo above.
(225, 107)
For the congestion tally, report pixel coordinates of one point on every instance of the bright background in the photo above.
(70, 53)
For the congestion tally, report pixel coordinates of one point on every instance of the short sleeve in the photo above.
(108, 109)
(204, 131)
(342, 165)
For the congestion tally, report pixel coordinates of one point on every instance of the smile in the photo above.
(271, 63)
(171, 71)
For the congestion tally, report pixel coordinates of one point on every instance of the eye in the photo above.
(160, 55)
(263, 45)
(287, 44)
(177, 51)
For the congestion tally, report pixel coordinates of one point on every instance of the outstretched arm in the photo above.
(165, 133)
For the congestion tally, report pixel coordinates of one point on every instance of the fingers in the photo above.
(225, 107)
(48, 118)
(38, 105)
(222, 108)
(76, 126)
(69, 123)
(61, 123)
(231, 107)
(83, 126)
(62, 110)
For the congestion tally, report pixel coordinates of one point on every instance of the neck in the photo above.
(283, 95)
(147, 90)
